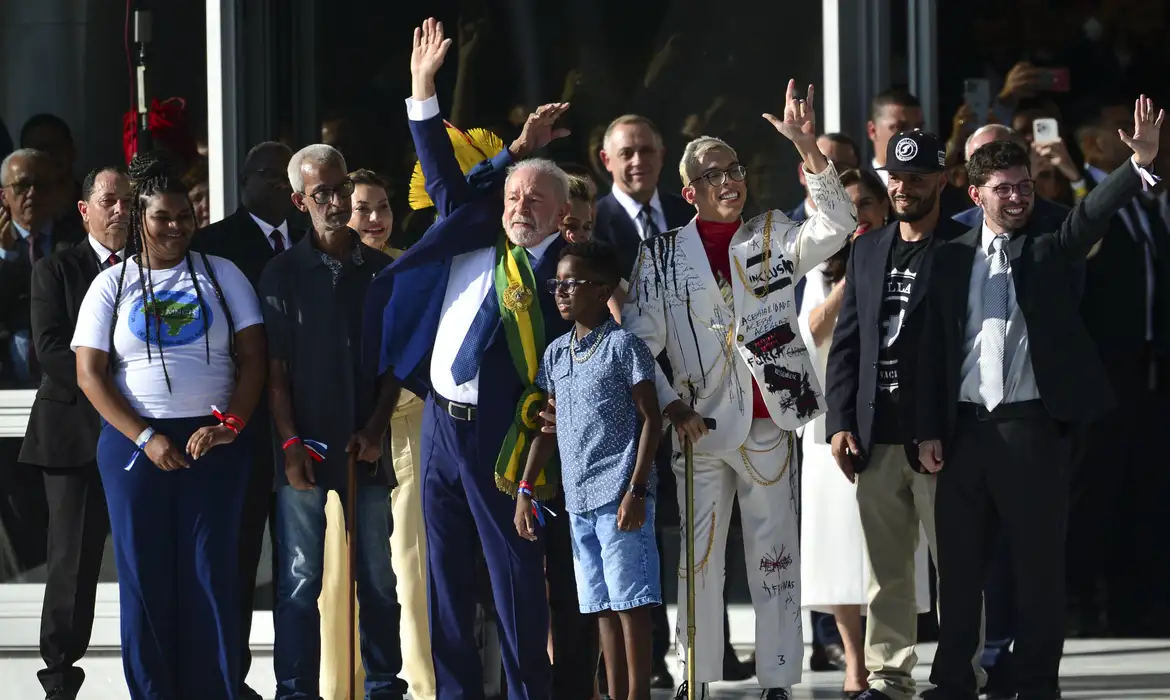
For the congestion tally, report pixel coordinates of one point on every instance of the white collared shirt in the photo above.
(634, 209)
(885, 176)
(1019, 380)
(104, 253)
(268, 228)
(470, 281)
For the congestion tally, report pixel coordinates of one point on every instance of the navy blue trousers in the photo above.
(176, 536)
(464, 513)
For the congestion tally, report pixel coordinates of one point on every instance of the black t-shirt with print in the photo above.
(905, 260)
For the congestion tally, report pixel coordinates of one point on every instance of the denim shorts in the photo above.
(616, 570)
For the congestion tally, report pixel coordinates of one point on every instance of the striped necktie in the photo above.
(994, 332)
(647, 222)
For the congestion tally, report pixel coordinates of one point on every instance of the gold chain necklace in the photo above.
(765, 262)
(593, 349)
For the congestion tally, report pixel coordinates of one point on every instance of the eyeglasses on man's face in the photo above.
(324, 195)
(568, 286)
(717, 178)
(1005, 190)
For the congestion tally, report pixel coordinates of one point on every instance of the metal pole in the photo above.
(689, 457)
(141, 43)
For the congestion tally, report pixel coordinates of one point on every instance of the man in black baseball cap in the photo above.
(868, 390)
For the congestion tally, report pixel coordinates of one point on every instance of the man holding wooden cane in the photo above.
(717, 295)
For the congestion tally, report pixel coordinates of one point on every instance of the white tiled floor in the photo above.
(1129, 670)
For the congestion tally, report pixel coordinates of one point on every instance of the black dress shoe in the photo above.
(61, 694)
(736, 670)
(775, 694)
(830, 657)
(683, 690)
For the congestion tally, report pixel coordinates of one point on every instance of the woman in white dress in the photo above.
(834, 570)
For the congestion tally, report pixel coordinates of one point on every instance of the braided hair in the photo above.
(152, 176)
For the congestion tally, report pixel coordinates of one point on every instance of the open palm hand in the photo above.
(1147, 126)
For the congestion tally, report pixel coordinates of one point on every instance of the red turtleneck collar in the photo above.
(717, 229)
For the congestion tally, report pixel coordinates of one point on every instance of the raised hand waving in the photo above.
(1147, 128)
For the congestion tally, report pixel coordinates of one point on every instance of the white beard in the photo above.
(525, 237)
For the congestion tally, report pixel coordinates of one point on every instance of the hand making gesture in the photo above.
(426, 58)
(800, 127)
(538, 130)
(1146, 131)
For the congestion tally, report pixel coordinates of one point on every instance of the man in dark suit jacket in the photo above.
(256, 233)
(62, 433)
(1005, 366)
(869, 390)
(28, 233)
(635, 208)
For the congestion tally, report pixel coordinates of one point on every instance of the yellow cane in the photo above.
(351, 588)
(689, 460)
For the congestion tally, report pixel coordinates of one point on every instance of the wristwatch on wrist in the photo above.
(638, 490)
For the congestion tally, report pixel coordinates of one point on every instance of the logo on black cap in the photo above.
(906, 150)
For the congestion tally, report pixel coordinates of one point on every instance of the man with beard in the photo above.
(1005, 369)
(327, 406)
(462, 321)
(256, 233)
(717, 297)
(63, 431)
(870, 407)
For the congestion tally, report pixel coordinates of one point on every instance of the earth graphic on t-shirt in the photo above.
(177, 314)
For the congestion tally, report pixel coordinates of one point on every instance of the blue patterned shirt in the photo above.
(597, 421)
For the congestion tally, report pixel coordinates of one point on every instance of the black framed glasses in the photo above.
(716, 178)
(21, 187)
(1005, 190)
(324, 195)
(569, 285)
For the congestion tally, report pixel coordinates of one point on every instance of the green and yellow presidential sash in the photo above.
(524, 328)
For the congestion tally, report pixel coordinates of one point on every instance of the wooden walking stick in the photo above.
(689, 478)
(689, 461)
(351, 570)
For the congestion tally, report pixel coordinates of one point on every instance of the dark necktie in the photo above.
(277, 241)
(111, 261)
(649, 225)
(466, 363)
(34, 253)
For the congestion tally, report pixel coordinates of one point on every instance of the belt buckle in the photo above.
(451, 410)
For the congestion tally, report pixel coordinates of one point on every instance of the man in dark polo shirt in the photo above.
(326, 405)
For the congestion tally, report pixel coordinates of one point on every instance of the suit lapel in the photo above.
(957, 266)
(876, 286)
(691, 245)
(922, 281)
(622, 225)
(1016, 246)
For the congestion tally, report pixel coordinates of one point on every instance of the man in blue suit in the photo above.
(438, 314)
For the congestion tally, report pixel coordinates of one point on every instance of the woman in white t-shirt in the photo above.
(161, 339)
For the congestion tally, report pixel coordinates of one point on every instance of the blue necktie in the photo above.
(467, 360)
(466, 363)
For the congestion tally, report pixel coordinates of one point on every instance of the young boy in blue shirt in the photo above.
(603, 381)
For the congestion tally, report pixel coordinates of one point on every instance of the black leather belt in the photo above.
(1005, 411)
(458, 411)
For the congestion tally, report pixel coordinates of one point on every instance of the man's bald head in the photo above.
(991, 133)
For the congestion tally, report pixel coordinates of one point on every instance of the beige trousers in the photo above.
(408, 556)
(895, 502)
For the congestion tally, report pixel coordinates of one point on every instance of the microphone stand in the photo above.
(141, 44)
